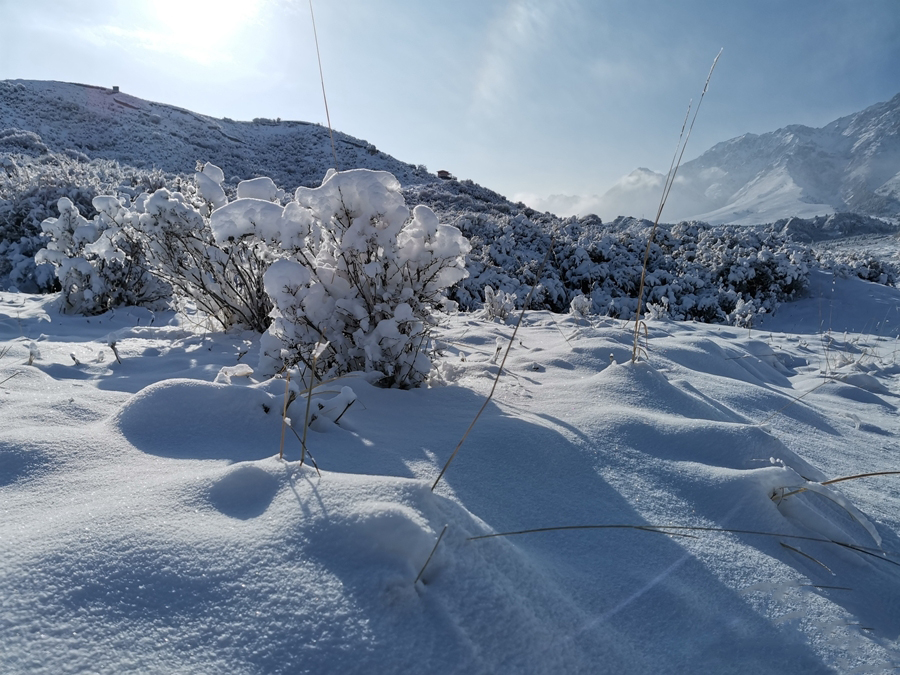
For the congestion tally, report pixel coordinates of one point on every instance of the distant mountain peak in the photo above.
(850, 164)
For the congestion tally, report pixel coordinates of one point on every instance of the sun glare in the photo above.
(204, 31)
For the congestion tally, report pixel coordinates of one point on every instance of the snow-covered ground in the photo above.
(147, 524)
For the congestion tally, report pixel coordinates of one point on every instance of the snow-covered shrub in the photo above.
(209, 185)
(750, 270)
(362, 274)
(259, 188)
(223, 277)
(98, 263)
(137, 251)
(658, 311)
(497, 304)
(860, 264)
(17, 139)
(581, 306)
(30, 189)
(695, 271)
(833, 226)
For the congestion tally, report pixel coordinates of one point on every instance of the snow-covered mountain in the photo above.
(851, 164)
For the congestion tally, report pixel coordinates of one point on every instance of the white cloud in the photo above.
(516, 35)
(636, 194)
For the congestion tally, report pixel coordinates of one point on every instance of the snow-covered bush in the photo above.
(223, 277)
(751, 270)
(20, 140)
(695, 271)
(362, 274)
(498, 304)
(98, 263)
(30, 189)
(581, 306)
(136, 252)
(860, 264)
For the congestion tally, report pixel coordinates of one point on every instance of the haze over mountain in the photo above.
(851, 164)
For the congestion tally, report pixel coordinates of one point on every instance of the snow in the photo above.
(259, 188)
(148, 523)
(158, 513)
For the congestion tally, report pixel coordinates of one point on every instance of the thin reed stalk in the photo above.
(861, 475)
(667, 188)
(430, 555)
(287, 390)
(681, 529)
(322, 80)
(309, 391)
(838, 480)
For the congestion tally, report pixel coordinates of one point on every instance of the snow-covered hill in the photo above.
(108, 124)
(851, 164)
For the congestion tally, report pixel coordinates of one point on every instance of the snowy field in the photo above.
(148, 525)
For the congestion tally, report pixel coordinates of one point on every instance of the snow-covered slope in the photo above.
(148, 524)
(851, 164)
(107, 124)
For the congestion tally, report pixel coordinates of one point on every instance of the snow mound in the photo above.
(244, 492)
(202, 420)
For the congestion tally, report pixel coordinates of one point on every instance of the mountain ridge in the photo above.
(850, 164)
(106, 123)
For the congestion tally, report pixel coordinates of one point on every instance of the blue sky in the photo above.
(528, 97)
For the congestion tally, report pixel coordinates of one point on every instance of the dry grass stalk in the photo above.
(430, 555)
(500, 369)
(317, 352)
(805, 555)
(861, 475)
(312, 16)
(680, 530)
(312, 375)
(667, 188)
(18, 372)
(287, 389)
(311, 458)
